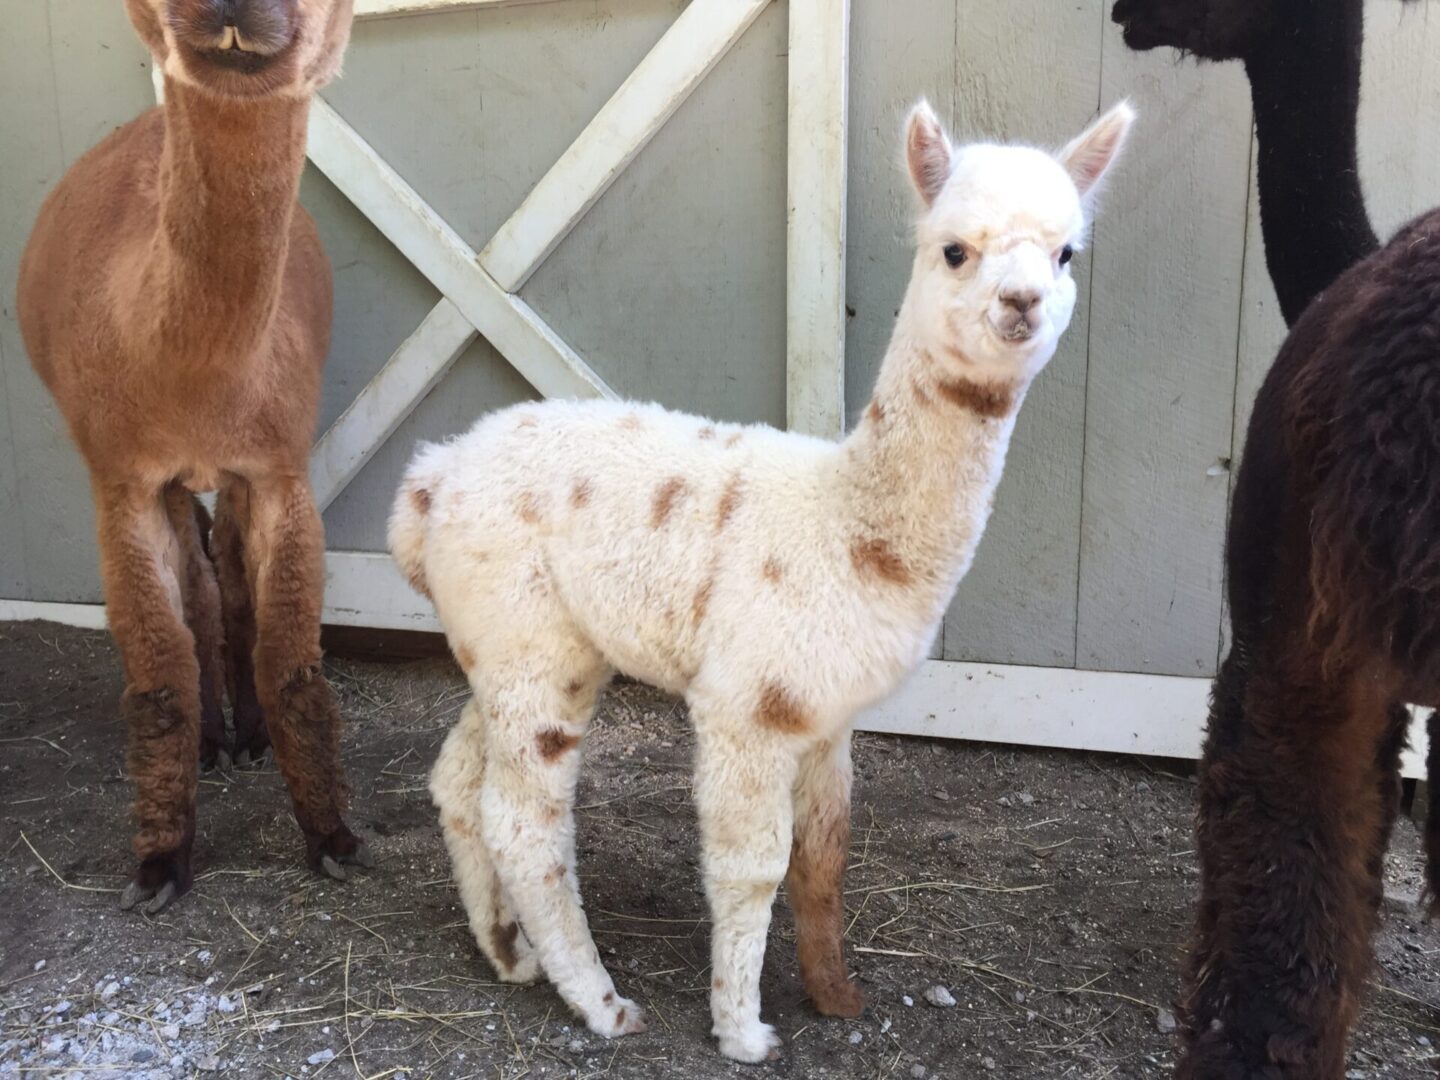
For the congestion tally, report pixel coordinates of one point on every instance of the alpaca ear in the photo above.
(1089, 155)
(927, 151)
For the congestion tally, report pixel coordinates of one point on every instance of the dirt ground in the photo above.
(1049, 893)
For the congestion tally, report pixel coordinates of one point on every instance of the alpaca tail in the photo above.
(409, 518)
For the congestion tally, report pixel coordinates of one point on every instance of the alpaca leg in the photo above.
(284, 553)
(816, 878)
(744, 788)
(1290, 809)
(227, 548)
(532, 763)
(140, 562)
(200, 595)
(455, 788)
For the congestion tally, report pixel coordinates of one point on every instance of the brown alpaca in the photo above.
(1332, 574)
(176, 301)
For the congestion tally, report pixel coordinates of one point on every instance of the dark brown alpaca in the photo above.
(177, 303)
(1333, 585)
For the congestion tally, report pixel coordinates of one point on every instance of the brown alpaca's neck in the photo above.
(229, 177)
(1305, 85)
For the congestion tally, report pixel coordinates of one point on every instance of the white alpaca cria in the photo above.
(779, 582)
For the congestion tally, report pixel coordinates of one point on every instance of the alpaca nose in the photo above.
(1022, 300)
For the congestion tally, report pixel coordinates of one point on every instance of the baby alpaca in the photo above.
(779, 582)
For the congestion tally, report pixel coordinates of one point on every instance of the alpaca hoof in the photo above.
(620, 1017)
(244, 759)
(844, 999)
(752, 1045)
(330, 855)
(216, 760)
(159, 899)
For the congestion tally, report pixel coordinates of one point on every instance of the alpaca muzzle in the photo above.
(236, 28)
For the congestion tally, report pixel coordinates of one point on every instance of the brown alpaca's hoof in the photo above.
(252, 737)
(330, 855)
(161, 880)
(840, 999)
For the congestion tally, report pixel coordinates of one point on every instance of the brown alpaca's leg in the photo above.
(227, 547)
(200, 596)
(140, 562)
(1291, 808)
(816, 878)
(285, 552)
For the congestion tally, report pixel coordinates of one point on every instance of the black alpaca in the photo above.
(1334, 593)
(1303, 61)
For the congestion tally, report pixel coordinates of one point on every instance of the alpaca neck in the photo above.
(922, 466)
(1306, 90)
(229, 178)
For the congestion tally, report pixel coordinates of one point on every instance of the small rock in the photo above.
(940, 997)
(204, 956)
(576, 1046)
(1423, 1041)
(170, 1031)
(321, 1057)
(942, 796)
(61, 1009)
(856, 1038)
(1019, 997)
(142, 1055)
(40, 965)
(1165, 1022)
(988, 1062)
(884, 1025)
(1004, 800)
(1356, 1074)
(226, 1004)
(111, 989)
(1026, 799)
(908, 1000)
(209, 1063)
(917, 1071)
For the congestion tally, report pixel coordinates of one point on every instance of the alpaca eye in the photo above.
(1066, 254)
(954, 255)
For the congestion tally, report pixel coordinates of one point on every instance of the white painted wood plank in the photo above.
(88, 616)
(438, 252)
(389, 9)
(1165, 269)
(411, 372)
(1017, 605)
(815, 235)
(657, 87)
(364, 588)
(1112, 712)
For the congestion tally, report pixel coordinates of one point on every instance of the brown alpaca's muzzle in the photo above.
(233, 28)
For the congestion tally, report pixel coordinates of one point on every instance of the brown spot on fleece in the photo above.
(729, 500)
(779, 711)
(553, 742)
(875, 558)
(989, 401)
(666, 496)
